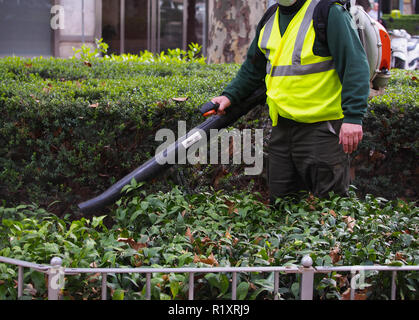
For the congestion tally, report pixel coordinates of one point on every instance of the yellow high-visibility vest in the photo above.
(300, 85)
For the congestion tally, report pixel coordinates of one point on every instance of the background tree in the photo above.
(232, 25)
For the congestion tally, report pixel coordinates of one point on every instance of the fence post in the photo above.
(20, 282)
(191, 285)
(104, 286)
(307, 278)
(54, 281)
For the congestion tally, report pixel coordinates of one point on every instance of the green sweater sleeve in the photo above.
(350, 62)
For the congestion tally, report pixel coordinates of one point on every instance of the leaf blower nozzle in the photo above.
(153, 167)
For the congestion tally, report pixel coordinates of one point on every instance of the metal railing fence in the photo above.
(55, 272)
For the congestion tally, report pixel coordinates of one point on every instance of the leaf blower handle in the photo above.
(209, 109)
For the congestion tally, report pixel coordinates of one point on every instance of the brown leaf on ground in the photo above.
(210, 260)
(33, 97)
(332, 212)
(341, 280)
(357, 296)
(161, 104)
(132, 243)
(94, 277)
(400, 256)
(189, 235)
(182, 99)
(235, 241)
(230, 206)
(350, 223)
(334, 254)
(228, 235)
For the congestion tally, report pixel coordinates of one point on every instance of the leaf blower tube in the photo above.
(153, 167)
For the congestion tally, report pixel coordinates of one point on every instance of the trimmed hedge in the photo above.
(408, 22)
(386, 162)
(71, 128)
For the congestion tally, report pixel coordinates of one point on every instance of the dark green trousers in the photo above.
(307, 157)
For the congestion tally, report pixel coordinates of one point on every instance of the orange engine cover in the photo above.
(385, 48)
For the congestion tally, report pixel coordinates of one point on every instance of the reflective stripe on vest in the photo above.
(292, 64)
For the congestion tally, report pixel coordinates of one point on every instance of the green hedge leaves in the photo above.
(71, 128)
(214, 229)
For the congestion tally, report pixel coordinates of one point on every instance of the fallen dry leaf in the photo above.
(94, 277)
(235, 241)
(189, 235)
(230, 206)
(332, 212)
(161, 104)
(132, 243)
(210, 260)
(357, 296)
(334, 254)
(350, 223)
(399, 256)
(341, 280)
(33, 97)
(182, 99)
(228, 235)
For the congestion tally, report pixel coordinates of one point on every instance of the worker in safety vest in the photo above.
(317, 96)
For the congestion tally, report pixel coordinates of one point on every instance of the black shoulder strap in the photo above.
(321, 14)
(268, 14)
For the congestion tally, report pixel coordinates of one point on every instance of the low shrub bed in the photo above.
(215, 229)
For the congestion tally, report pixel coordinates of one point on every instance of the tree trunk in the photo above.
(191, 34)
(232, 26)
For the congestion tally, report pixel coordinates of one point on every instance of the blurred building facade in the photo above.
(224, 28)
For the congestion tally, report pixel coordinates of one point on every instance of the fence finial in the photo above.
(307, 262)
(56, 261)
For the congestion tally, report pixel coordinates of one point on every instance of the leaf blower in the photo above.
(153, 167)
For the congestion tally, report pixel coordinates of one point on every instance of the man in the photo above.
(317, 95)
